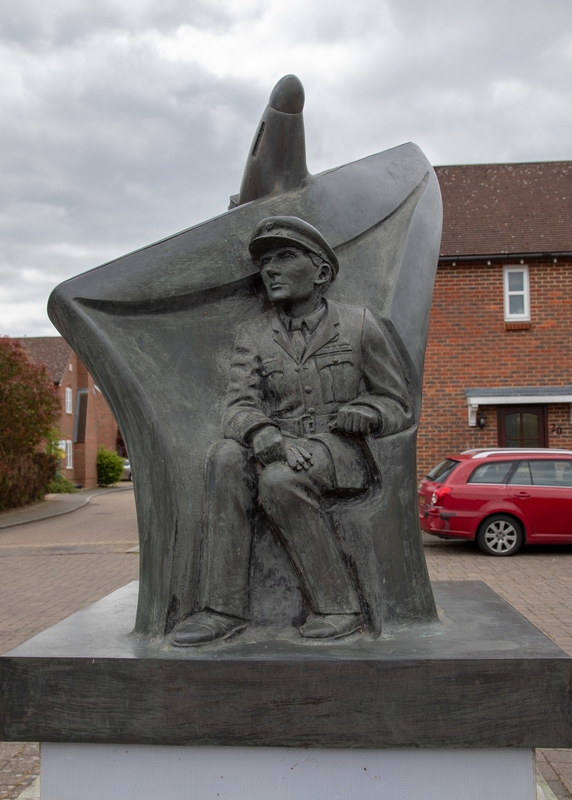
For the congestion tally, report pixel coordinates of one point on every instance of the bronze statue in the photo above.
(309, 381)
(305, 529)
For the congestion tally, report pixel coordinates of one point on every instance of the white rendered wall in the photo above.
(145, 772)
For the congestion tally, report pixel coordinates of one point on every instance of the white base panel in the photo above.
(146, 772)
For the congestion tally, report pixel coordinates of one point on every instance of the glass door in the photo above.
(522, 426)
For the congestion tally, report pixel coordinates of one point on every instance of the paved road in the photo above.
(51, 568)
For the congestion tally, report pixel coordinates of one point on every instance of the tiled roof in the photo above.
(495, 209)
(53, 351)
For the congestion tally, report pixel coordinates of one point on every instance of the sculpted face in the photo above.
(289, 274)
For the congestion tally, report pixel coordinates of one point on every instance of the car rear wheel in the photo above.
(500, 535)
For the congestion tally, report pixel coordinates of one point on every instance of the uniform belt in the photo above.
(306, 424)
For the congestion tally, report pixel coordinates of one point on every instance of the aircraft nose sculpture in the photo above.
(277, 159)
(271, 424)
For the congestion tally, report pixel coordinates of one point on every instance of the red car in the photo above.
(503, 498)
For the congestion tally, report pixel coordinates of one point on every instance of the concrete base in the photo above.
(140, 772)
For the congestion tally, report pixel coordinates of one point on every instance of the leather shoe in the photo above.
(331, 626)
(207, 626)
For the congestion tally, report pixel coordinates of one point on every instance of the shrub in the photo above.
(61, 485)
(29, 406)
(25, 479)
(109, 467)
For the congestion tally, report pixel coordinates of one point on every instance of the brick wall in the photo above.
(100, 431)
(105, 421)
(69, 380)
(100, 425)
(469, 346)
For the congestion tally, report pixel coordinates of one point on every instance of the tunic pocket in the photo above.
(337, 375)
(272, 372)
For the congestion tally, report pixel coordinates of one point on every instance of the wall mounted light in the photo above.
(481, 421)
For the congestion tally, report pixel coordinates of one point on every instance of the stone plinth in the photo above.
(484, 678)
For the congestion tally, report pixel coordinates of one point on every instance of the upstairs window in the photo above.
(516, 294)
(69, 400)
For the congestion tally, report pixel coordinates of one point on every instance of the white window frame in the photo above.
(69, 400)
(69, 454)
(525, 316)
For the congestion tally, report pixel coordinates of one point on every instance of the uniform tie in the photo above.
(297, 337)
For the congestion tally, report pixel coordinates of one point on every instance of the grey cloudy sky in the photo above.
(124, 121)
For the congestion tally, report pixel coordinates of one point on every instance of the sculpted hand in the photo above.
(268, 445)
(298, 457)
(359, 420)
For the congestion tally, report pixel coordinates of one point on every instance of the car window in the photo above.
(444, 468)
(551, 473)
(522, 476)
(491, 473)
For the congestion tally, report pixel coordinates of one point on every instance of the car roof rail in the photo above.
(499, 451)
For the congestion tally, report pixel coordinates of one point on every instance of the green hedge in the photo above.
(109, 467)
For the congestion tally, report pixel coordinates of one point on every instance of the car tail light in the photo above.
(439, 495)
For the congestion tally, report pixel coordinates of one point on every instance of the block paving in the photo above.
(51, 568)
(48, 570)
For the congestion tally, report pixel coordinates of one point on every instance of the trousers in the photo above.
(235, 488)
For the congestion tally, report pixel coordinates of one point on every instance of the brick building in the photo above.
(498, 368)
(86, 421)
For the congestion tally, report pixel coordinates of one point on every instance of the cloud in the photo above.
(127, 120)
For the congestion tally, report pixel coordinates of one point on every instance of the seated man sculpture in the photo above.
(309, 381)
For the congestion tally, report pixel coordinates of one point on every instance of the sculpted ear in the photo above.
(323, 274)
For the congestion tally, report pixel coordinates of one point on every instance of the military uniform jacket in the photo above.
(348, 359)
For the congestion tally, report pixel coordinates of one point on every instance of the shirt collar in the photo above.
(311, 321)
